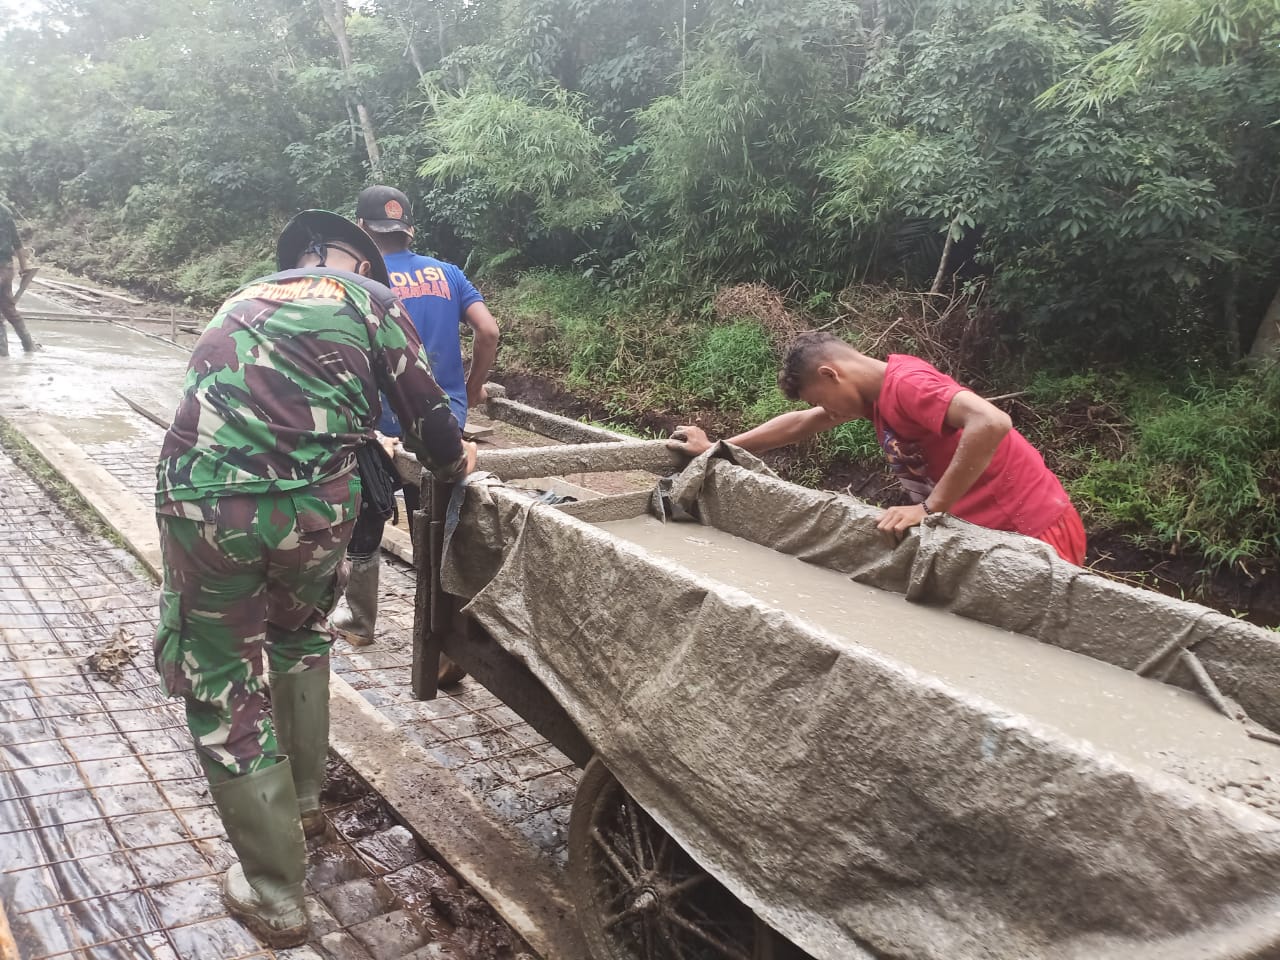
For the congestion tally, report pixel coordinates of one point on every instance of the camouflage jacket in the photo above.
(283, 387)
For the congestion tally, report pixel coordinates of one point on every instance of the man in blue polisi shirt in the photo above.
(439, 299)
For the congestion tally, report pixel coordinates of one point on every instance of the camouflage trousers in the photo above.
(257, 574)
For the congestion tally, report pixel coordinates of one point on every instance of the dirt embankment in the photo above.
(1114, 553)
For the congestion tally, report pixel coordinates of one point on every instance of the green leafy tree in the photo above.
(530, 172)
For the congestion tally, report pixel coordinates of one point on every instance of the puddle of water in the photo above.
(364, 817)
(456, 919)
(333, 865)
(390, 849)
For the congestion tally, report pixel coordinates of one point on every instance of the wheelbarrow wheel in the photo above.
(639, 896)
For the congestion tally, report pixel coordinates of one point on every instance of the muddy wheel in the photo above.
(639, 896)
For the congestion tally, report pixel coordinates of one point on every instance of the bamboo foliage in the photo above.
(1105, 167)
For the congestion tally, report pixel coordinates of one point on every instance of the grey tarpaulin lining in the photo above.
(960, 550)
(672, 500)
(1178, 651)
(849, 799)
(457, 494)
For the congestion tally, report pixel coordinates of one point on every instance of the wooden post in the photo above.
(431, 615)
(173, 325)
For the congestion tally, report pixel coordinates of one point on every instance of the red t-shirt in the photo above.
(1016, 492)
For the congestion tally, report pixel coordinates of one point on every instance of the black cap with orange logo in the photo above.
(384, 210)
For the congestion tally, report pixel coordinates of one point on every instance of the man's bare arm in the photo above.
(985, 426)
(484, 350)
(781, 430)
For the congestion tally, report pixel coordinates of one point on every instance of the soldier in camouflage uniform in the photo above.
(257, 492)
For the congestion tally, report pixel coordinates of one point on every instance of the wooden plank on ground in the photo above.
(74, 294)
(160, 421)
(94, 291)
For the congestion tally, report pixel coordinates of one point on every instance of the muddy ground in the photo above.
(452, 918)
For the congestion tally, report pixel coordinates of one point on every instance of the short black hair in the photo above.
(804, 355)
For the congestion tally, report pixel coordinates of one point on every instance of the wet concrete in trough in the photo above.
(1115, 710)
(109, 844)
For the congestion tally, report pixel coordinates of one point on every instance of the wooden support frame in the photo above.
(441, 628)
(432, 615)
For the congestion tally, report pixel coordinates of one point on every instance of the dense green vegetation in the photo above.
(1074, 201)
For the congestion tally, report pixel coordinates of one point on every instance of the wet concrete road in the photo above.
(70, 381)
(109, 844)
(522, 779)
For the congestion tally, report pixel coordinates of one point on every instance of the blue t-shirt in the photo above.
(436, 295)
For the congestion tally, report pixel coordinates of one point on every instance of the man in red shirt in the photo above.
(952, 451)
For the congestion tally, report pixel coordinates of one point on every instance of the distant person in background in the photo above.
(10, 247)
(439, 299)
(952, 451)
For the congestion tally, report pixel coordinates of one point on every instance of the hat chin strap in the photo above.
(319, 246)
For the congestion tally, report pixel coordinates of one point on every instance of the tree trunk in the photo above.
(1231, 316)
(335, 16)
(946, 255)
(404, 20)
(1266, 342)
(444, 46)
(412, 50)
(353, 125)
